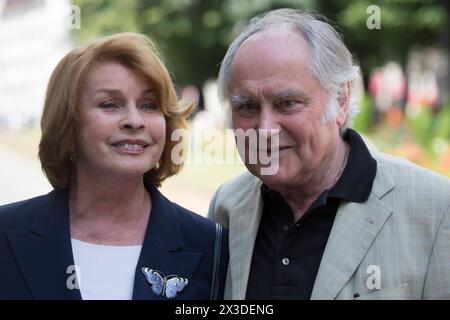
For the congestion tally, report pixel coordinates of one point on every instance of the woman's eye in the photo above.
(108, 105)
(149, 106)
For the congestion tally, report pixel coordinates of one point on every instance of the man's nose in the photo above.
(132, 119)
(268, 125)
(268, 119)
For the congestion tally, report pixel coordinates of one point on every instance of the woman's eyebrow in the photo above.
(148, 91)
(113, 92)
(118, 93)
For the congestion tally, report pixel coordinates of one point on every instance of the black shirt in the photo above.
(287, 254)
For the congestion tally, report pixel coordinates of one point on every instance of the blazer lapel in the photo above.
(44, 255)
(355, 228)
(244, 225)
(161, 249)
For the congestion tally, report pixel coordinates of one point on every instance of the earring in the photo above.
(72, 157)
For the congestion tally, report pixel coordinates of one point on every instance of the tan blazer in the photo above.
(396, 245)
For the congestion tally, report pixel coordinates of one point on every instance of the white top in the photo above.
(105, 272)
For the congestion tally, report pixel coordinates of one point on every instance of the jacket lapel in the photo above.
(243, 230)
(44, 255)
(161, 249)
(355, 228)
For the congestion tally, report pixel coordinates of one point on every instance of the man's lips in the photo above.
(275, 149)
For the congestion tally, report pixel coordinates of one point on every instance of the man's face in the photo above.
(271, 88)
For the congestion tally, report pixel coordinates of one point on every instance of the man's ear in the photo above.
(343, 102)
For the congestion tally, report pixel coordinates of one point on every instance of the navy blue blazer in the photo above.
(36, 250)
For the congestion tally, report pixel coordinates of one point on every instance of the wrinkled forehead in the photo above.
(270, 51)
(274, 56)
(277, 42)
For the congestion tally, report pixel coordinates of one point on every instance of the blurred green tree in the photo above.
(404, 24)
(193, 34)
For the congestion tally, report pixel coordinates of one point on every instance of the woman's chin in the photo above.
(126, 172)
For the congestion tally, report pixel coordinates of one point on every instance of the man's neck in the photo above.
(302, 195)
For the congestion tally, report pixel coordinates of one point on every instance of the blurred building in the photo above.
(387, 85)
(428, 78)
(34, 35)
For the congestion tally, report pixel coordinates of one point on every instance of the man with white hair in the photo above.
(334, 221)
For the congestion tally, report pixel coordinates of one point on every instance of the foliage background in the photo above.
(194, 34)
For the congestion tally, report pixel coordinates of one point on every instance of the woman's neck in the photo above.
(109, 211)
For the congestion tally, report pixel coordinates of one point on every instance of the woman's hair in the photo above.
(60, 115)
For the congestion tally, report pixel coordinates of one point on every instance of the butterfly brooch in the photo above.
(168, 286)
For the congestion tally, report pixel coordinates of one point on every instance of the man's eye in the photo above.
(288, 103)
(245, 107)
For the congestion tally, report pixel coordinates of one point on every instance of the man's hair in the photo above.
(60, 118)
(331, 62)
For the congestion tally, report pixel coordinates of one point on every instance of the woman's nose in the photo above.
(132, 119)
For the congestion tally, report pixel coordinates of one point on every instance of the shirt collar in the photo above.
(356, 181)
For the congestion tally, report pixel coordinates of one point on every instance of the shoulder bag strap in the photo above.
(214, 295)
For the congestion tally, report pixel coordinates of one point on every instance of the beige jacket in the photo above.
(396, 245)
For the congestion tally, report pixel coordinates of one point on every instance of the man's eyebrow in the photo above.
(237, 99)
(292, 93)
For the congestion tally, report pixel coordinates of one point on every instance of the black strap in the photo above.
(214, 295)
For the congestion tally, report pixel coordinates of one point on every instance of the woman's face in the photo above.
(122, 129)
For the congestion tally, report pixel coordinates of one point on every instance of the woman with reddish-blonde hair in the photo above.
(105, 231)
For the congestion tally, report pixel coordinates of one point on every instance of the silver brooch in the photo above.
(167, 286)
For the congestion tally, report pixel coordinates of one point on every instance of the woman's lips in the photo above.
(130, 146)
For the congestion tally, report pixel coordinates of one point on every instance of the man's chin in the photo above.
(268, 175)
